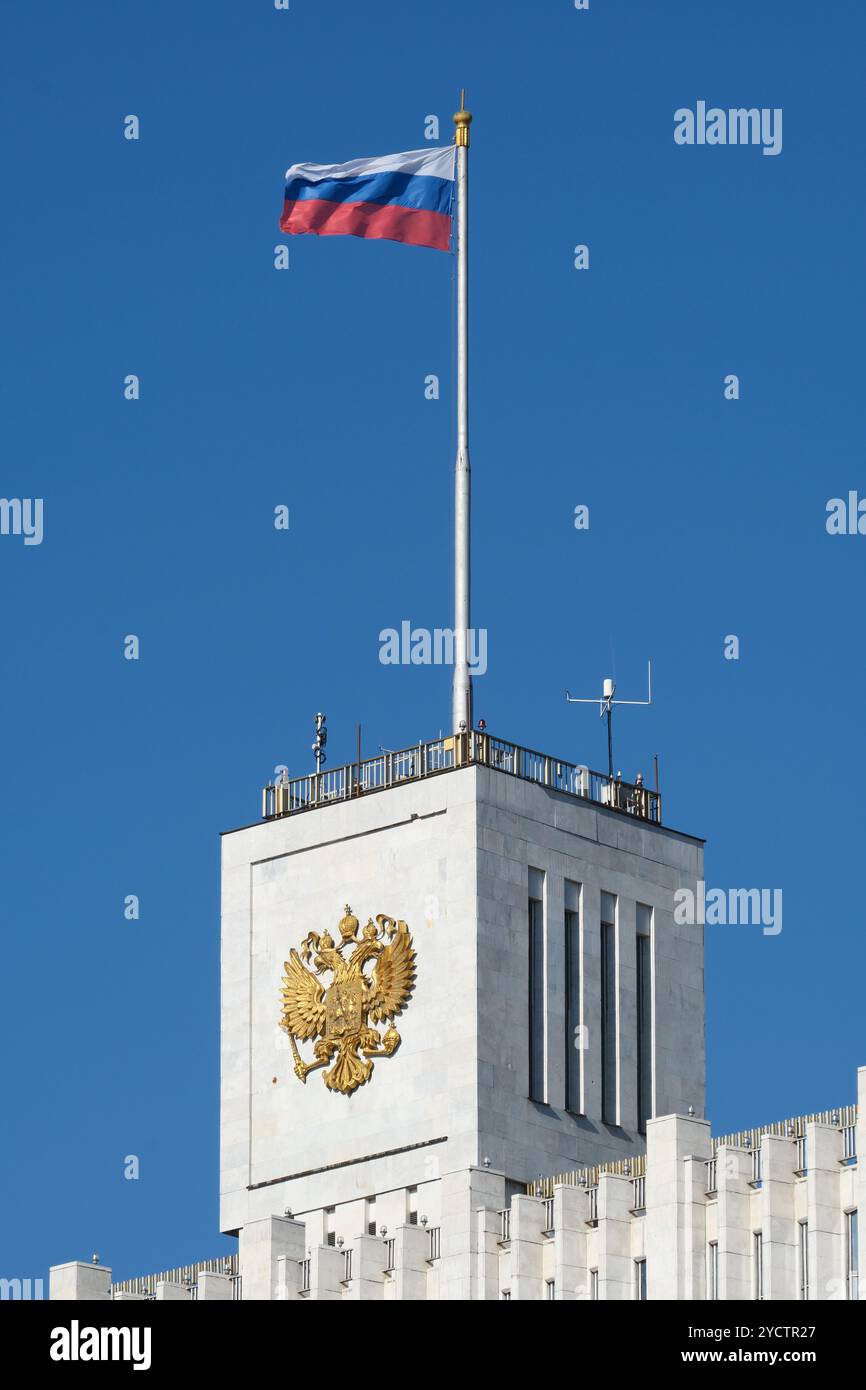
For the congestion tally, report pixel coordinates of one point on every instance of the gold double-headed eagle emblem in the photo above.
(342, 1016)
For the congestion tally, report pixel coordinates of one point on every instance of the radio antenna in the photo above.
(606, 704)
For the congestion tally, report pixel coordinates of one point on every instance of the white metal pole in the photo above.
(461, 692)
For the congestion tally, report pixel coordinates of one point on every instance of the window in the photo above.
(370, 1215)
(803, 1258)
(758, 1264)
(640, 1280)
(644, 1016)
(536, 985)
(713, 1270)
(412, 1206)
(330, 1233)
(608, 1008)
(852, 1256)
(551, 1289)
(573, 1030)
(593, 1283)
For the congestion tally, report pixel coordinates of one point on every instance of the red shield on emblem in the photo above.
(344, 1014)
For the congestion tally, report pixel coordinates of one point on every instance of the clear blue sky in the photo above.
(305, 387)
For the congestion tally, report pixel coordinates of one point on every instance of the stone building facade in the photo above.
(555, 1027)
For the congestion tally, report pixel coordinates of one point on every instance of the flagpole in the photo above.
(461, 690)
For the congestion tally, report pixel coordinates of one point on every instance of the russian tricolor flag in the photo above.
(399, 197)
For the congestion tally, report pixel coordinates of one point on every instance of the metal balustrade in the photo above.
(842, 1117)
(293, 794)
(390, 1253)
(634, 1167)
(435, 1243)
(505, 1226)
(184, 1274)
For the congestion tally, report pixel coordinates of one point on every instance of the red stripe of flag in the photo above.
(391, 222)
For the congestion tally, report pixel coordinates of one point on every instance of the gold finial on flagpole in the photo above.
(462, 120)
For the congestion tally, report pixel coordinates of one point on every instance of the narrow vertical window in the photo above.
(370, 1213)
(852, 1255)
(593, 1283)
(551, 1289)
(330, 1233)
(608, 1008)
(412, 1206)
(713, 1270)
(536, 985)
(644, 1016)
(640, 1280)
(803, 1261)
(758, 1264)
(573, 1030)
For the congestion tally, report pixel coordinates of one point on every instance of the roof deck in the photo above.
(291, 795)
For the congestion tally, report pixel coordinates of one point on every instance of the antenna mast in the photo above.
(321, 740)
(606, 704)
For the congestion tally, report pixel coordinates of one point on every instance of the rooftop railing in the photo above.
(183, 1274)
(634, 1167)
(291, 794)
(844, 1117)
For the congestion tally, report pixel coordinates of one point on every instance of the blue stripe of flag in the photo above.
(389, 187)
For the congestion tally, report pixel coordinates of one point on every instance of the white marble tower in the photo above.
(447, 1123)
